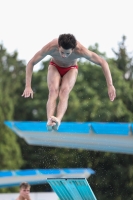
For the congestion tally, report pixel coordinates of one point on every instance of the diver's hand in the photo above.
(111, 92)
(28, 92)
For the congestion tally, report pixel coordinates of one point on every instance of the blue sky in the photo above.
(27, 25)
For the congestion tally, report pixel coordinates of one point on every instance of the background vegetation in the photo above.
(114, 172)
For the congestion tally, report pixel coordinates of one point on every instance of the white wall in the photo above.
(34, 196)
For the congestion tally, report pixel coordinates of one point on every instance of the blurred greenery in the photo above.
(87, 102)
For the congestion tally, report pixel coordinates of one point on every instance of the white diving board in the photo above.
(96, 136)
(11, 178)
(72, 189)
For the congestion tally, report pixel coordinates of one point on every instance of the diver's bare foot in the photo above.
(50, 124)
(57, 123)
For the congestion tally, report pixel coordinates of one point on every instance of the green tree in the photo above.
(124, 60)
(10, 154)
(28, 109)
(88, 102)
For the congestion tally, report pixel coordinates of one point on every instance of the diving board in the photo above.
(10, 178)
(95, 136)
(72, 188)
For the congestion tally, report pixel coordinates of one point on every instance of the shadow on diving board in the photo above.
(72, 188)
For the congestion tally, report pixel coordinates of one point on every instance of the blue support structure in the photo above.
(72, 188)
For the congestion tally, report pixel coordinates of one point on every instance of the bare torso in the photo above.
(64, 62)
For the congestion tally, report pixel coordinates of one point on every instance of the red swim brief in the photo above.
(63, 70)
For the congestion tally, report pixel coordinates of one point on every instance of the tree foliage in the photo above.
(9, 148)
(88, 101)
(124, 60)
